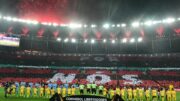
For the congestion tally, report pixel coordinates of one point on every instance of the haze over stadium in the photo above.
(98, 49)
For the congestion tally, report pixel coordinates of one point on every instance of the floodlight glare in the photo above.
(93, 26)
(66, 40)
(92, 41)
(118, 25)
(157, 22)
(59, 39)
(135, 24)
(104, 40)
(106, 26)
(113, 25)
(85, 41)
(140, 39)
(73, 40)
(178, 19)
(0, 16)
(169, 20)
(124, 40)
(85, 26)
(55, 24)
(123, 25)
(14, 19)
(132, 40)
(113, 41)
(148, 23)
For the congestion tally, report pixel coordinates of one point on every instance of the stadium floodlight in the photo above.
(59, 39)
(148, 23)
(44, 23)
(106, 26)
(73, 40)
(85, 26)
(123, 25)
(169, 20)
(113, 41)
(118, 25)
(0, 16)
(113, 25)
(157, 22)
(93, 26)
(85, 41)
(132, 40)
(104, 41)
(178, 19)
(135, 24)
(66, 40)
(124, 40)
(63, 25)
(55, 24)
(14, 19)
(92, 41)
(7, 18)
(140, 39)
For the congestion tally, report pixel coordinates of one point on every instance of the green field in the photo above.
(13, 98)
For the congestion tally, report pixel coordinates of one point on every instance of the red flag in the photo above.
(24, 31)
(56, 33)
(160, 31)
(177, 31)
(40, 32)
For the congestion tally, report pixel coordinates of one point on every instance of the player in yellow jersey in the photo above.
(135, 94)
(129, 91)
(69, 91)
(52, 91)
(173, 95)
(171, 87)
(22, 90)
(73, 90)
(162, 94)
(63, 92)
(41, 91)
(112, 93)
(141, 94)
(154, 94)
(35, 91)
(123, 93)
(118, 91)
(168, 95)
(58, 90)
(48, 92)
(147, 94)
(105, 92)
(28, 91)
(13, 87)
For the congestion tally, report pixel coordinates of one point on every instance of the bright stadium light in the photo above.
(178, 19)
(93, 26)
(8, 18)
(92, 41)
(140, 39)
(66, 40)
(55, 24)
(169, 20)
(123, 25)
(135, 24)
(73, 40)
(132, 40)
(106, 26)
(124, 40)
(74, 25)
(85, 26)
(59, 39)
(85, 41)
(113, 25)
(0, 16)
(113, 41)
(157, 22)
(118, 25)
(14, 19)
(148, 23)
(104, 41)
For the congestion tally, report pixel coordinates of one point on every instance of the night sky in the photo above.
(91, 11)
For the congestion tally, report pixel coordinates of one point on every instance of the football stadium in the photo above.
(89, 50)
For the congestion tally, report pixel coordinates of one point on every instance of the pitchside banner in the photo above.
(85, 98)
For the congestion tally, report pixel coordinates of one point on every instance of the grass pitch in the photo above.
(14, 98)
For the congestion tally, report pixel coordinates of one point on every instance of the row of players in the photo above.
(130, 93)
